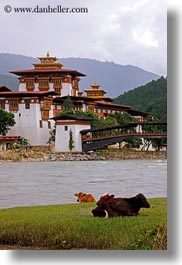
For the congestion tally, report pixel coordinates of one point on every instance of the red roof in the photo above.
(27, 93)
(36, 71)
(108, 104)
(8, 138)
(83, 98)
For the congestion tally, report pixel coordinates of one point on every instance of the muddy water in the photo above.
(43, 183)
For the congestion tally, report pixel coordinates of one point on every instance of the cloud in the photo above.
(123, 31)
(134, 5)
(145, 38)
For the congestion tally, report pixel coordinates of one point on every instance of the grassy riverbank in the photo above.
(72, 226)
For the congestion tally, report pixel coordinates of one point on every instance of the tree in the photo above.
(159, 143)
(6, 120)
(133, 143)
(151, 97)
(71, 141)
(122, 118)
(68, 104)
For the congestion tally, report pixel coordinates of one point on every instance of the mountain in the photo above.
(151, 98)
(9, 81)
(113, 78)
(10, 62)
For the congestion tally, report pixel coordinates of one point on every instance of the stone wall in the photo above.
(117, 155)
(46, 155)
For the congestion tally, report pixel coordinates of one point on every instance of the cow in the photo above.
(121, 206)
(98, 212)
(83, 197)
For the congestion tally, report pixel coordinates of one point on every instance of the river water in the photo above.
(44, 183)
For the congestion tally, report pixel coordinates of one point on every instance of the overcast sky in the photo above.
(123, 31)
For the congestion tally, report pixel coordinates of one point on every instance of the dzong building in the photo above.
(41, 96)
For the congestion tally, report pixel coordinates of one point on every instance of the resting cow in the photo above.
(98, 212)
(122, 206)
(83, 197)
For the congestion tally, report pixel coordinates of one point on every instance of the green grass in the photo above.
(72, 226)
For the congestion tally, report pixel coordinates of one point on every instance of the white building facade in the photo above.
(67, 127)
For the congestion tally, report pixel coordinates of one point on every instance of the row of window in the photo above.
(30, 83)
(14, 104)
(104, 111)
(89, 108)
(43, 84)
(48, 124)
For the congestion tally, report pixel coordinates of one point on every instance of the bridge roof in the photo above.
(108, 128)
(134, 112)
(148, 123)
(129, 125)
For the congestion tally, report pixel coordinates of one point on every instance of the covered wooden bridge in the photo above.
(94, 139)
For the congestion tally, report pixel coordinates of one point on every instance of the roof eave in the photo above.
(36, 71)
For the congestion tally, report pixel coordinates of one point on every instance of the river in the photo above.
(45, 183)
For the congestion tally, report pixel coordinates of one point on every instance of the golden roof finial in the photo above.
(95, 86)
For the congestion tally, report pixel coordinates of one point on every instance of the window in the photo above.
(58, 90)
(46, 106)
(45, 114)
(27, 103)
(49, 125)
(57, 107)
(75, 84)
(41, 124)
(44, 85)
(13, 105)
(47, 102)
(66, 128)
(30, 85)
(2, 104)
(57, 83)
(90, 108)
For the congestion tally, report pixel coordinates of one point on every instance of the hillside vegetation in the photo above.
(151, 98)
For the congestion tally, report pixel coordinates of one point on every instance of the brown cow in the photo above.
(121, 206)
(83, 197)
(98, 212)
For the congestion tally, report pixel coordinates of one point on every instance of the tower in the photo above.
(95, 92)
(49, 75)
